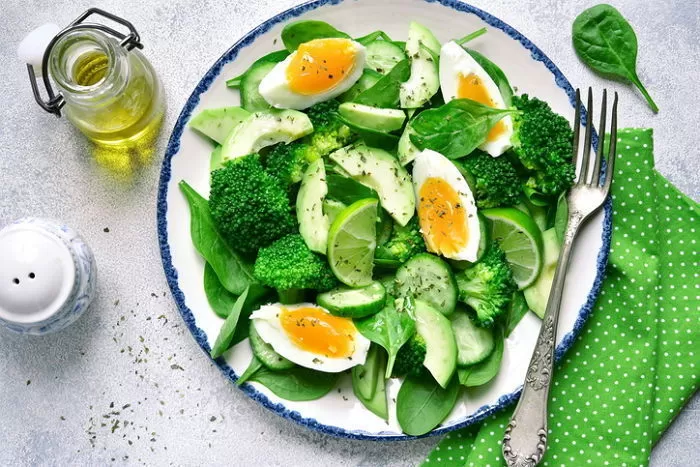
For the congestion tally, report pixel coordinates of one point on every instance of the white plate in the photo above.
(187, 157)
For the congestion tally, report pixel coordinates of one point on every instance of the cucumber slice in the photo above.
(354, 303)
(474, 343)
(537, 294)
(373, 118)
(265, 353)
(428, 278)
(440, 345)
(382, 56)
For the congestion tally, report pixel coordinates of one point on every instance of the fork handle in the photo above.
(525, 439)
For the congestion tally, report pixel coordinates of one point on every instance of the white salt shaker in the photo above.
(47, 276)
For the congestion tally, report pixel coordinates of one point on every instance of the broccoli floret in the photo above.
(410, 357)
(287, 162)
(248, 207)
(496, 181)
(542, 140)
(488, 286)
(404, 242)
(289, 266)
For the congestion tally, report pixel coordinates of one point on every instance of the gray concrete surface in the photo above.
(127, 383)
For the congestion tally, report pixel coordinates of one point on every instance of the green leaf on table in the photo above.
(486, 370)
(422, 403)
(232, 270)
(606, 42)
(298, 32)
(296, 384)
(389, 328)
(456, 128)
(243, 307)
(385, 92)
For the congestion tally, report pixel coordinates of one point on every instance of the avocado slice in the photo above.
(382, 172)
(373, 118)
(217, 124)
(440, 344)
(313, 222)
(262, 129)
(421, 46)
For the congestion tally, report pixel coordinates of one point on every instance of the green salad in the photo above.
(382, 207)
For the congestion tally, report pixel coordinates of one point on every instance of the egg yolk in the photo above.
(316, 331)
(442, 217)
(320, 65)
(472, 87)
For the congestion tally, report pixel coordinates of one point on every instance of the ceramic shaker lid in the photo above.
(37, 273)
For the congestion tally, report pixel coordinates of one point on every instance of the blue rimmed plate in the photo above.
(187, 157)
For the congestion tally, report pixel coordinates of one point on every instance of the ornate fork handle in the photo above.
(525, 440)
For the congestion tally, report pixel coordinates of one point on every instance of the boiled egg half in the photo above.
(446, 208)
(310, 336)
(317, 71)
(461, 77)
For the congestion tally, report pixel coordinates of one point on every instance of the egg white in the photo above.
(274, 87)
(455, 61)
(432, 164)
(267, 323)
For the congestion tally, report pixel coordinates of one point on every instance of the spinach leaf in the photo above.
(296, 384)
(496, 74)
(485, 371)
(422, 404)
(388, 328)
(385, 92)
(517, 309)
(368, 382)
(220, 299)
(456, 128)
(606, 42)
(372, 137)
(232, 270)
(273, 57)
(253, 367)
(244, 305)
(346, 190)
(298, 32)
(373, 36)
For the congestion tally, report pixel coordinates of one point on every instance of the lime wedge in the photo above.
(519, 237)
(351, 242)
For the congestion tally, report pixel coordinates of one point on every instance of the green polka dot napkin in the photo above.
(636, 361)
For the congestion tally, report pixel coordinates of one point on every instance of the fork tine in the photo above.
(612, 152)
(577, 128)
(583, 174)
(595, 176)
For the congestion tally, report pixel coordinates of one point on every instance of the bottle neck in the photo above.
(88, 66)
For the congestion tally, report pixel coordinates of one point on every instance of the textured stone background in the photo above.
(127, 383)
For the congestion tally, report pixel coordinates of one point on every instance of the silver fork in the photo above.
(525, 439)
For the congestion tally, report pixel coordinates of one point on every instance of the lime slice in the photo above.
(351, 242)
(520, 239)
